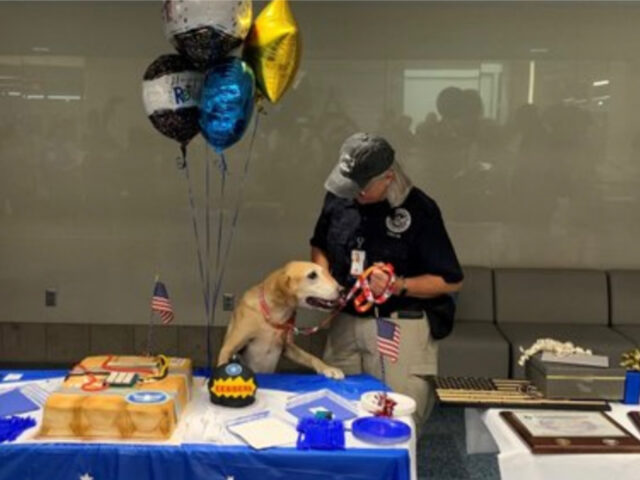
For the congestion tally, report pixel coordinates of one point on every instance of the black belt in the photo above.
(410, 314)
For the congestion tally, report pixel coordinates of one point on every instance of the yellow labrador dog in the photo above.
(258, 325)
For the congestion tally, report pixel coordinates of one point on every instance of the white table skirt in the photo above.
(516, 461)
(203, 422)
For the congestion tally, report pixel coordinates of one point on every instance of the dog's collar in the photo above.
(266, 313)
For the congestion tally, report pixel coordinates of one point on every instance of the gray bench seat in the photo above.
(563, 304)
(475, 347)
(601, 339)
(624, 286)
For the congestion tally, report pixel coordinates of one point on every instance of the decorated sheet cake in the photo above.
(119, 397)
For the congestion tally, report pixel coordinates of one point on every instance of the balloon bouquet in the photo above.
(225, 65)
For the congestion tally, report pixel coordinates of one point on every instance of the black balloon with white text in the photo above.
(171, 94)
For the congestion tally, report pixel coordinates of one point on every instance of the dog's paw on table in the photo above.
(331, 372)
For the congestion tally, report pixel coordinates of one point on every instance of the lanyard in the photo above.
(366, 295)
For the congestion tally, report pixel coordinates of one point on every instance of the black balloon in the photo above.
(171, 94)
(205, 31)
(205, 45)
(181, 125)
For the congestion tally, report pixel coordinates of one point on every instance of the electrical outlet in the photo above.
(50, 297)
(228, 302)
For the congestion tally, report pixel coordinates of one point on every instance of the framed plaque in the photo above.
(549, 431)
(635, 418)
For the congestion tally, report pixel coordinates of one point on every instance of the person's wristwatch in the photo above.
(402, 291)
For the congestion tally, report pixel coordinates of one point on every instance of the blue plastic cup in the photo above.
(632, 387)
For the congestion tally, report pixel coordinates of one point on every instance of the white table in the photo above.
(487, 432)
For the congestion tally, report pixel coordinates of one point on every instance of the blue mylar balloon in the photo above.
(226, 103)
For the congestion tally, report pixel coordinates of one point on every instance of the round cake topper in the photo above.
(147, 397)
(233, 369)
(232, 385)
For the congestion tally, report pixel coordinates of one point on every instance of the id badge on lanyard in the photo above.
(358, 258)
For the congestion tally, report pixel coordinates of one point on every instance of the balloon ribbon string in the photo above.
(236, 215)
(192, 208)
(212, 297)
(207, 219)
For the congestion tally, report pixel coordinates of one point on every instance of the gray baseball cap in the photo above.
(362, 157)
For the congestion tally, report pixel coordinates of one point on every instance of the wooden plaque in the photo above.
(549, 431)
(635, 418)
(503, 393)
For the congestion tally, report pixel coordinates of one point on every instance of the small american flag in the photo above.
(161, 304)
(388, 339)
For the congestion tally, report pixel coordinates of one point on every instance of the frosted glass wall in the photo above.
(520, 119)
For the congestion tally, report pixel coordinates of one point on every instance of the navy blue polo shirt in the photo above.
(411, 236)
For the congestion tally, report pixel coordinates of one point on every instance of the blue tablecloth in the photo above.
(76, 461)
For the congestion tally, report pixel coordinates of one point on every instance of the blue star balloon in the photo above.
(227, 101)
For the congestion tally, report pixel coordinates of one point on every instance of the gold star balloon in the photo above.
(273, 49)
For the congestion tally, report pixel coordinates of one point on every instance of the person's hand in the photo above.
(378, 280)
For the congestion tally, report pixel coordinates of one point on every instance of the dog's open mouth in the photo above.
(322, 303)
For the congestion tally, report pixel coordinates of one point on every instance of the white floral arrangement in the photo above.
(561, 349)
(631, 360)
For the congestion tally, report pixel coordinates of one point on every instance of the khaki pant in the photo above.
(351, 346)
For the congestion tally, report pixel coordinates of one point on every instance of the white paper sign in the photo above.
(264, 430)
(568, 424)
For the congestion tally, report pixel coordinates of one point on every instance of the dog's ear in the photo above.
(283, 284)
